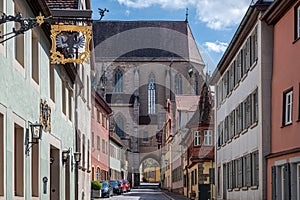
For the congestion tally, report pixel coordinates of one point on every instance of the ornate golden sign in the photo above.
(45, 116)
(70, 43)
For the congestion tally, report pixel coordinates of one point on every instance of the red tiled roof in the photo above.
(62, 4)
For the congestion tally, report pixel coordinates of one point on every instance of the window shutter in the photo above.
(273, 182)
(222, 132)
(219, 134)
(237, 120)
(226, 129)
(233, 123)
(233, 174)
(248, 111)
(256, 105)
(229, 175)
(256, 169)
(242, 116)
(284, 109)
(248, 170)
(248, 53)
(256, 44)
(240, 67)
(240, 172)
(287, 181)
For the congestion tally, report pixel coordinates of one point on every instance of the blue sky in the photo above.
(213, 22)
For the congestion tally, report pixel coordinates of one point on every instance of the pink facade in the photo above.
(283, 164)
(100, 138)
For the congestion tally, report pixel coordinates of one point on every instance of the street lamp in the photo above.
(36, 135)
(77, 157)
(65, 155)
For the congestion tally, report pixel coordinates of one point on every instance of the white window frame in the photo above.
(208, 137)
(98, 174)
(298, 21)
(197, 138)
(288, 107)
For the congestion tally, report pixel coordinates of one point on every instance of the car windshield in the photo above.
(104, 184)
(114, 183)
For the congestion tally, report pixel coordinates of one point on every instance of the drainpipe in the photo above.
(76, 128)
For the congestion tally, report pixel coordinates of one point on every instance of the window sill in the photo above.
(244, 188)
(236, 86)
(229, 141)
(229, 190)
(236, 136)
(254, 125)
(218, 148)
(244, 76)
(229, 94)
(83, 169)
(236, 189)
(285, 125)
(254, 187)
(253, 65)
(244, 131)
(223, 145)
(88, 171)
(298, 120)
(296, 40)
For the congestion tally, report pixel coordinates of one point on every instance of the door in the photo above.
(54, 174)
(204, 191)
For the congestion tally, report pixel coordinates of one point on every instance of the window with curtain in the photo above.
(151, 94)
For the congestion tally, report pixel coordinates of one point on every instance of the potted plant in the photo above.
(96, 189)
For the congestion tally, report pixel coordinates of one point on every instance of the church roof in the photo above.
(144, 41)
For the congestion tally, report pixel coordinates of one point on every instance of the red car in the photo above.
(122, 185)
(127, 185)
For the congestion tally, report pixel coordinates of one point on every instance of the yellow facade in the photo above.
(152, 174)
(192, 186)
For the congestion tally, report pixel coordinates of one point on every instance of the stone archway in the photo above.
(150, 167)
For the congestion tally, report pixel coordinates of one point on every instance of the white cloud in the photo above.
(127, 13)
(216, 14)
(218, 47)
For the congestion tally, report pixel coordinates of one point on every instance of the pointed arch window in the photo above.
(151, 94)
(178, 84)
(120, 127)
(118, 81)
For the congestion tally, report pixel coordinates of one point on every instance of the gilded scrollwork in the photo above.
(85, 33)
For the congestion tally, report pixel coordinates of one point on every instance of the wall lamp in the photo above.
(65, 155)
(36, 135)
(77, 156)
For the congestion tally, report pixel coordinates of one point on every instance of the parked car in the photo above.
(127, 185)
(117, 189)
(123, 186)
(106, 190)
